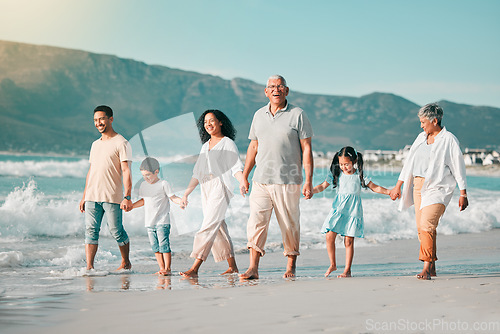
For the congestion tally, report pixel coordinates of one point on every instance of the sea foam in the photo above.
(11, 259)
(29, 212)
(45, 168)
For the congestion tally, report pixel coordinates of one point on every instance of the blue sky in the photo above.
(423, 50)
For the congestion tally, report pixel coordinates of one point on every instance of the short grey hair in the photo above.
(277, 77)
(431, 111)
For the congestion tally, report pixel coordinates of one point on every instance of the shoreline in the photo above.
(382, 292)
(392, 166)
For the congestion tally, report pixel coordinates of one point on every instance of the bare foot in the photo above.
(125, 266)
(290, 267)
(330, 269)
(433, 269)
(424, 275)
(345, 274)
(250, 274)
(231, 270)
(189, 273)
(165, 272)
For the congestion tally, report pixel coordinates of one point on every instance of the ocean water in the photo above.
(42, 232)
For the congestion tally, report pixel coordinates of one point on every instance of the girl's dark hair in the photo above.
(228, 129)
(352, 155)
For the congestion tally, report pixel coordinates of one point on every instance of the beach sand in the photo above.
(370, 302)
(365, 305)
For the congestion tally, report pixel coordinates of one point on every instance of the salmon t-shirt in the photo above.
(105, 178)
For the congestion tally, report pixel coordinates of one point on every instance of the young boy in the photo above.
(154, 195)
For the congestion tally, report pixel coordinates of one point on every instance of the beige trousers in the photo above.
(284, 199)
(213, 234)
(427, 220)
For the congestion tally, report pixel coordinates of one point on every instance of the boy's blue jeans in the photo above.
(159, 238)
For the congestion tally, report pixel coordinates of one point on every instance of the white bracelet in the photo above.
(463, 195)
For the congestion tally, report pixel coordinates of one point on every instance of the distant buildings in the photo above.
(472, 157)
(481, 157)
(368, 155)
(380, 155)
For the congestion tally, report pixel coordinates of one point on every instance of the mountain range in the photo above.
(47, 97)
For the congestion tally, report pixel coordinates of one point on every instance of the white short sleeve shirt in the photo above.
(156, 202)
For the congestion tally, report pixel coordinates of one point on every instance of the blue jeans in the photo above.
(94, 211)
(159, 238)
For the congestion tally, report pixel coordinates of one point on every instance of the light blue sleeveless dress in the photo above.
(346, 215)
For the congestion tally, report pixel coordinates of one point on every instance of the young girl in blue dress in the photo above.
(346, 216)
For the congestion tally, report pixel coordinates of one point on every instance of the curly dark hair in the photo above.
(352, 155)
(228, 129)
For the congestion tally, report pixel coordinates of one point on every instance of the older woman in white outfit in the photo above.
(217, 163)
(434, 167)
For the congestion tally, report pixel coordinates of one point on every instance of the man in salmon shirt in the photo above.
(107, 188)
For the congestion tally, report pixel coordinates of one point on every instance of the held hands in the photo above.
(184, 202)
(395, 193)
(307, 190)
(126, 205)
(244, 187)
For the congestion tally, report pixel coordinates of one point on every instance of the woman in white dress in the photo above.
(217, 163)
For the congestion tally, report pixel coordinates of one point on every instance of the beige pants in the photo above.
(427, 220)
(284, 199)
(213, 234)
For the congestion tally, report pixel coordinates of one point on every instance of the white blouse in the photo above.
(446, 169)
(422, 156)
(223, 161)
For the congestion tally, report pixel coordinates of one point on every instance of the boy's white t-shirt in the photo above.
(156, 202)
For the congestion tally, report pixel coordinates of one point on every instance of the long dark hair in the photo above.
(228, 129)
(355, 157)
